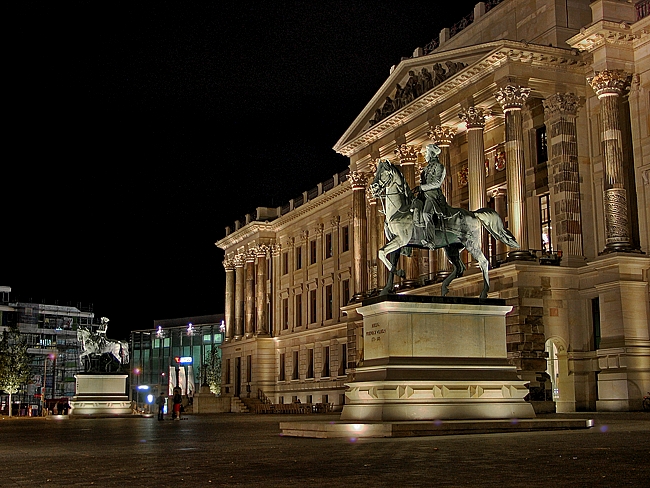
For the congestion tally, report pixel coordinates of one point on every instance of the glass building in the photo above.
(172, 354)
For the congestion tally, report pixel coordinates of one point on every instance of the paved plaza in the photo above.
(247, 450)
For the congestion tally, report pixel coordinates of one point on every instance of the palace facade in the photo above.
(541, 110)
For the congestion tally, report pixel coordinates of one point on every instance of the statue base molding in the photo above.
(100, 395)
(429, 361)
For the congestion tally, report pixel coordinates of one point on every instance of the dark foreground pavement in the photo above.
(247, 450)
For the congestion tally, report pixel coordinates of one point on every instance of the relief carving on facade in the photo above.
(416, 85)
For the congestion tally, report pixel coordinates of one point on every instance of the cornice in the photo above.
(601, 33)
(254, 228)
(495, 55)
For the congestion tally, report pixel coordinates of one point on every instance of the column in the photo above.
(408, 156)
(499, 196)
(260, 282)
(442, 136)
(563, 173)
(240, 261)
(512, 99)
(250, 293)
(229, 311)
(359, 181)
(374, 240)
(276, 298)
(608, 85)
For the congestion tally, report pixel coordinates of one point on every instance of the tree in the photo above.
(14, 362)
(211, 373)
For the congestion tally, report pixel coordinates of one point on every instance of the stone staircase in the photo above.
(252, 404)
(237, 406)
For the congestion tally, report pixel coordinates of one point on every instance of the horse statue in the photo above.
(99, 345)
(454, 230)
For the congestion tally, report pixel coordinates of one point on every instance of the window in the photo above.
(595, 319)
(227, 372)
(343, 359)
(310, 363)
(345, 292)
(312, 252)
(328, 302)
(542, 144)
(249, 368)
(345, 238)
(545, 222)
(282, 368)
(296, 372)
(328, 246)
(298, 310)
(326, 362)
(312, 307)
(285, 263)
(299, 257)
(285, 313)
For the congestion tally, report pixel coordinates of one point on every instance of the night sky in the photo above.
(137, 131)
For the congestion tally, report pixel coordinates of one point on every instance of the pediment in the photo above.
(409, 81)
(462, 68)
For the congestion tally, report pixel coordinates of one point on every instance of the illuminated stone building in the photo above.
(541, 111)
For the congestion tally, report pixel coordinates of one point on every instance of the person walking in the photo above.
(177, 400)
(160, 401)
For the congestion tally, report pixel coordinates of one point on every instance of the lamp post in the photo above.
(43, 390)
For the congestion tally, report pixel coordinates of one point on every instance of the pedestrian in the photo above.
(177, 400)
(160, 401)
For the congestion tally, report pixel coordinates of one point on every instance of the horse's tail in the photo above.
(494, 225)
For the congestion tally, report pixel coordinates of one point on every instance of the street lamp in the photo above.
(43, 390)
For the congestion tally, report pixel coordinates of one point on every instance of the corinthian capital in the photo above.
(358, 180)
(609, 82)
(228, 264)
(240, 260)
(561, 104)
(407, 154)
(512, 97)
(442, 135)
(262, 250)
(474, 117)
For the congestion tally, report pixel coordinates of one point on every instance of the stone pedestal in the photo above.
(100, 395)
(434, 358)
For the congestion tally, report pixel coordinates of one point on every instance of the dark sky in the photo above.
(137, 131)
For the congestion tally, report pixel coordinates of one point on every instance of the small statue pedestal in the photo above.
(434, 358)
(101, 395)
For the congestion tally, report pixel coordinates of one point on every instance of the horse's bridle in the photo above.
(379, 187)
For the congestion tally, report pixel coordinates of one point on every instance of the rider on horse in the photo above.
(435, 203)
